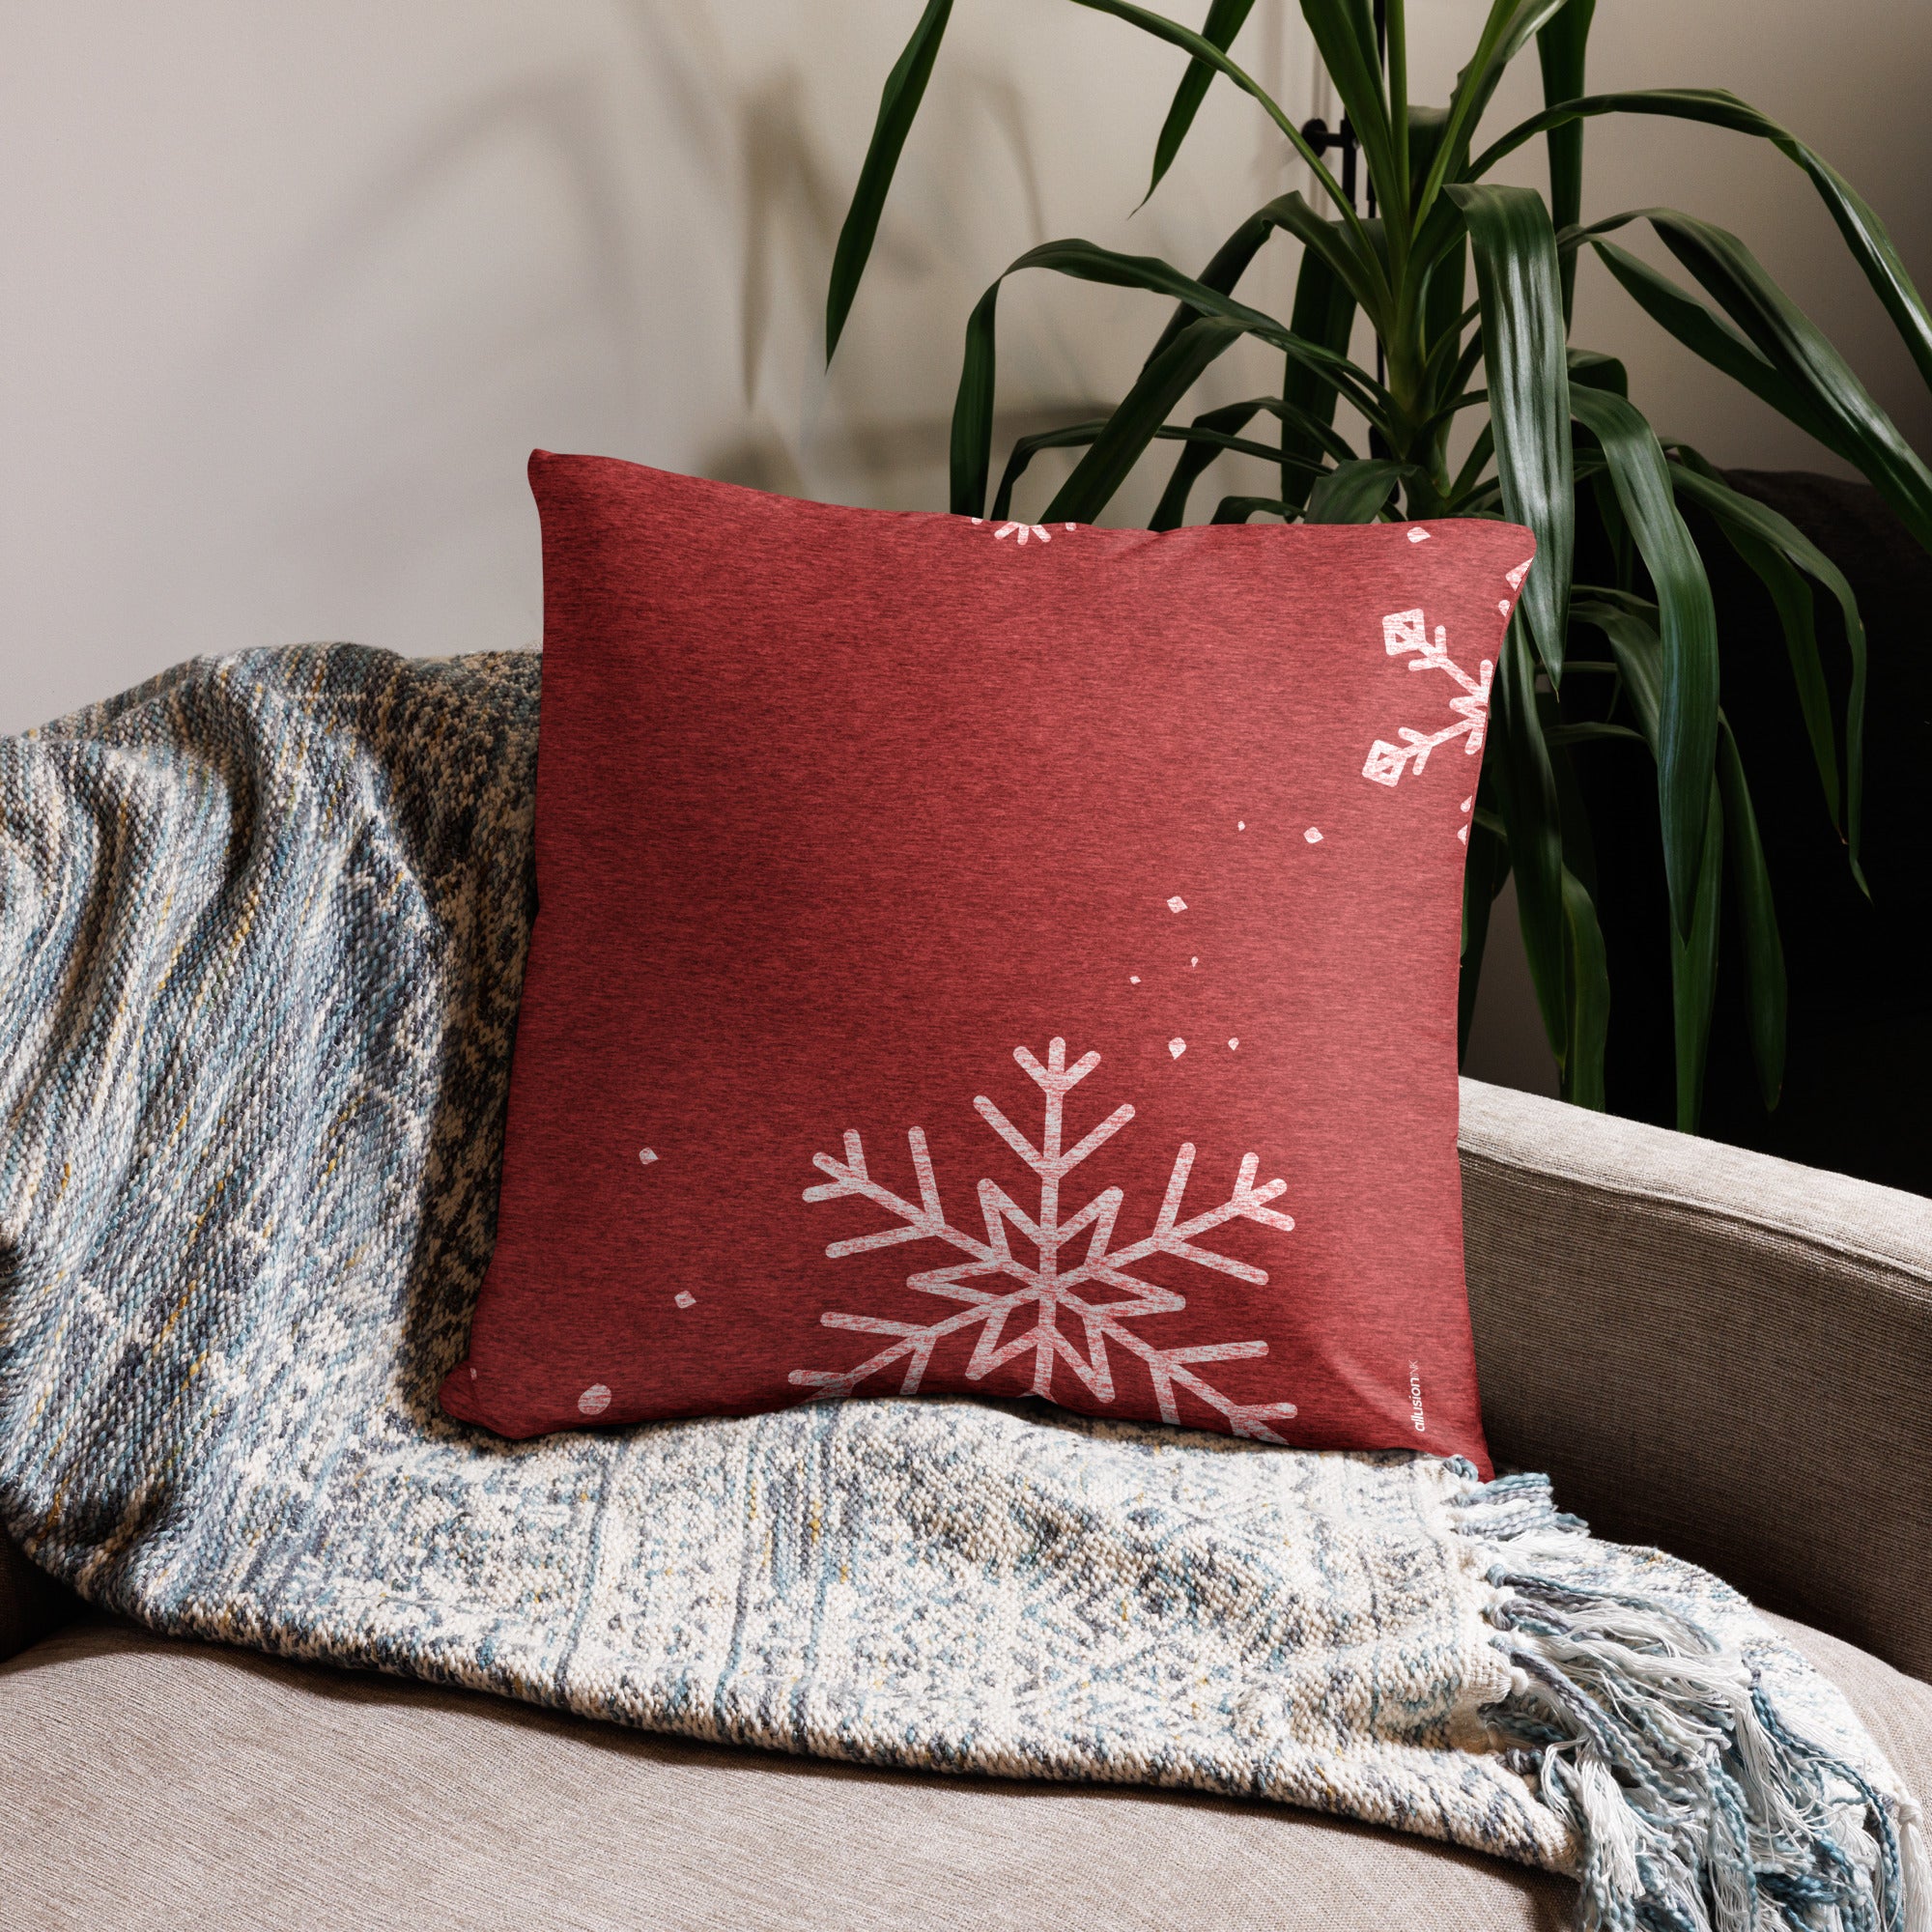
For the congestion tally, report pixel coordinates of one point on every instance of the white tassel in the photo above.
(1915, 1869)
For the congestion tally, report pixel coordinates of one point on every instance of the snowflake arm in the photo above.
(1044, 1286)
(1405, 632)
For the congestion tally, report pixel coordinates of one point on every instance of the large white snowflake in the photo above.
(1405, 632)
(1096, 1298)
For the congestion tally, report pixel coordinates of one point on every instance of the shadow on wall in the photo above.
(1507, 1045)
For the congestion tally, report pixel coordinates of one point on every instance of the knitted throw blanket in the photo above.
(261, 928)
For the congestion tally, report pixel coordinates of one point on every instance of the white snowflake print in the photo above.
(1096, 1299)
(1404, 632)
(1023, 532)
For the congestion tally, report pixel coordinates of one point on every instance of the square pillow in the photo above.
(982, 958)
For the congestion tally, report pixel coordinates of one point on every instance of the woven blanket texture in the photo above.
(262, 932)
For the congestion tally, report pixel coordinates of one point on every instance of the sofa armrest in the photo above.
(31, 1603)
(1714, 1352)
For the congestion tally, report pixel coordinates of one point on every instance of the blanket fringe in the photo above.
(1697, 1805)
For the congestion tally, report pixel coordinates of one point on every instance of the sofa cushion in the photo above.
(150, 1783)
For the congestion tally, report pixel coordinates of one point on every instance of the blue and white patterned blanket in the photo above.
(261, 930)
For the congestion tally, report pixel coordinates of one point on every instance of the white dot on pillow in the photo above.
(1233, 1044)
(1133, 979)
(1418, 536)
(1240, 825)
(594, 1400)
(685, 1298)
(1176, 903)
(1195, 961)
(1313, 835)
(646, 1155)
(1177, 1046)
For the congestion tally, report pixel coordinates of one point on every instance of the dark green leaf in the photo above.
(1864, 232)
(1504, 34)
(1586, 979)
(1072, 436)
(905, 88)
(1225, 20)
(973, 408)
(1325, 312)
(1686, 726)
(1524, 353)
(1205, 51)
(1590, 370)
(1561, 48)
(1740, 515)
(1483, 875)
(1694, 972)
(1356, 492)
(1765, 992)
(1238, 509)
(1799, 350)
(1345, 37)
(1713, 338)
(1218, 430)
(1138, 418)
(1517, 765)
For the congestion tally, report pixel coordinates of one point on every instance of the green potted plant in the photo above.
(1632, 656)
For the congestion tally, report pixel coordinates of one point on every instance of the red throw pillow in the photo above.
(991, 958)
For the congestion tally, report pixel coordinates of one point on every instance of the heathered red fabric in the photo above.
(986, 959)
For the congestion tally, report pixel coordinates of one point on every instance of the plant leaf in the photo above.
(1225, 20)
(1686, 726)
(1483, 875)
(1786, 338)
(1205, 51)
(1694, 970)
(1523, 350)
(898, 104)
(1023, 452)
(1238, 509)
(1504, 34)
(1586, 979)
(1864, 232)
(1561, 48)
(1355, 491)
(1139, 416)
(1765, 993)
(1712, 337)
(1325, 312)
(1345, 37)
(1334, 254)
(1216, 430)
(1738, 515)
(1517, 765)
(973, 406)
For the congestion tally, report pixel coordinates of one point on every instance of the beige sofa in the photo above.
(1709, 1351)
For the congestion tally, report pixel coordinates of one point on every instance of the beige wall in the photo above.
(291, 291)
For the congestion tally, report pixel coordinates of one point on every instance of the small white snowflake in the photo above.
(1052, 1292)
(1405, 632)
(1025, 530)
